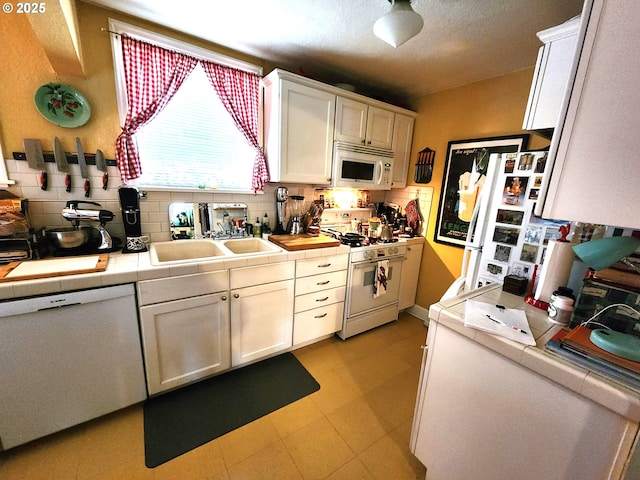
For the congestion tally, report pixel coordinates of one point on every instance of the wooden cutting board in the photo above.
(54, 267)
(303, 241)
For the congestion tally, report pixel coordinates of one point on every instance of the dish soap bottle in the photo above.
(257, 228)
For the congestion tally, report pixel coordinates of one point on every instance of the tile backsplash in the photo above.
(45, 207)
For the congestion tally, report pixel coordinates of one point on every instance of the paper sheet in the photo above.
(477, 316)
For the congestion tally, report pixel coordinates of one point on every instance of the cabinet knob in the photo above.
(236, 295)
(224, 298)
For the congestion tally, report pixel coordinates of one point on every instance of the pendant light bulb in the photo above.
(399, 24)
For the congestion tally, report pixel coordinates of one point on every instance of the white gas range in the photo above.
(373, 280)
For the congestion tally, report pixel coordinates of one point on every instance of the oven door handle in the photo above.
(371, 262)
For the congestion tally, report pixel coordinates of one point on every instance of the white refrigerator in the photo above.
(504, 237)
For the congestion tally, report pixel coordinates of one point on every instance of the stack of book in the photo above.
(575, 346)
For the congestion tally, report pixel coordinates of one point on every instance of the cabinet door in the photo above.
(305, 132)
(410, 273)
(379, 128)
(463, 404)
(351, 120)
(551, 75)
(261, 321)
(317, 323)
(401, 146)
(185, 340)
(595, 168)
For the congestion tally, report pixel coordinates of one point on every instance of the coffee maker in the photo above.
(130, 207)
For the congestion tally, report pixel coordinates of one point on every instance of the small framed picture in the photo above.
(506, 235)
(537, 182)
(511, 217)
(514, 191)
(532, 234)
(521, 269)
(533, 194)
(502, 253)
(494, 270)
(529, 253)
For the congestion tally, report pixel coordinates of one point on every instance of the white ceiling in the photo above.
(463, 41)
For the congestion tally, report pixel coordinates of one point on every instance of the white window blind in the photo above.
(193, 143)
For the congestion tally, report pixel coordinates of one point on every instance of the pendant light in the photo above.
(399, 24)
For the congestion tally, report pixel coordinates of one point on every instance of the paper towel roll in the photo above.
(555, 270)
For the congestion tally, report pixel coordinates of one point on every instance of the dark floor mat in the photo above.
(184, 419)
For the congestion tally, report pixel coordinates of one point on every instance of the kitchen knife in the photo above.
(101, 163)
(62, 163)
(35, 159)
(84, 171)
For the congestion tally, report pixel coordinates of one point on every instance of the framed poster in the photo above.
(466, 167)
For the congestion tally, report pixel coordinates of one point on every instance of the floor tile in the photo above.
(356, 427)
(318, 450)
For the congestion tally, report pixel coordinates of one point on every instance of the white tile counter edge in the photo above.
(597, 388)
(134, 267)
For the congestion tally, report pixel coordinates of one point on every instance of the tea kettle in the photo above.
(386, 232)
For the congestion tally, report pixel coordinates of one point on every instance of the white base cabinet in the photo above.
(320, 294)
(185, 328)
(185, 340)
(410, 273)
(480, 415)
(261, 313)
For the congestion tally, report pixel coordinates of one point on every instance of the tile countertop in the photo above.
(597, 388)
(134, 267)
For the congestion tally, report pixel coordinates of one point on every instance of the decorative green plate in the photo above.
(62, 105)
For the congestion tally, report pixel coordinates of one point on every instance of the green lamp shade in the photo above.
(604, 252)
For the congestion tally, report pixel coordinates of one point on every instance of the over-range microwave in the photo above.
(362, 167)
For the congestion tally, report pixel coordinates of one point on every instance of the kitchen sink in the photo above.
(182, 251)
(240, 246)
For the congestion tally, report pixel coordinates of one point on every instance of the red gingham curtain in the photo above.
(153, 75)
(239, 93)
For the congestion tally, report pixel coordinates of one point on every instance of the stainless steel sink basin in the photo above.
(243, 246)
(183, 251)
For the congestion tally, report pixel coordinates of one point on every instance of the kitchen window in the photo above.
(193, 142)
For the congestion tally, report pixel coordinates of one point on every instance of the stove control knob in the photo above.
(393, 250)
(366, 254)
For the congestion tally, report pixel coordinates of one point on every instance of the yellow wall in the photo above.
(490, 108)
(25, 67)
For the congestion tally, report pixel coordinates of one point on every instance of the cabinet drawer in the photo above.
(185, 286)
(319, 299)
(317, 265)
(317, 322)
(316, 283)
(260, 274)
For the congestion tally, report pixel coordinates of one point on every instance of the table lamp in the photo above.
(598, 255)
(605, 252)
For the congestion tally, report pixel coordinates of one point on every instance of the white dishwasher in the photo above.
(67, 358)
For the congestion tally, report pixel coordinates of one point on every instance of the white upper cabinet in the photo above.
(551, 75)
(357, 122)
(299, 123)
(401, 146)
(593, 155)
(303, 117)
